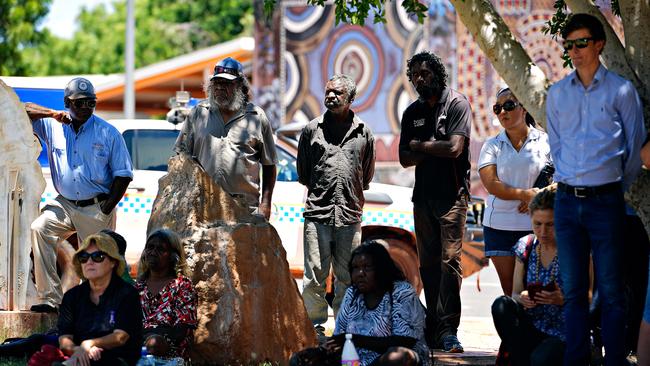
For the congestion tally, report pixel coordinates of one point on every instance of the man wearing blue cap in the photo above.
(91, 169)
(230, 137)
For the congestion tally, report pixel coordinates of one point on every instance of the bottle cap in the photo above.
(348, 336)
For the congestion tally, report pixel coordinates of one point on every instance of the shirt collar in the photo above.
(533, 134)
(88, 125)
(599, 76)
(355, 120)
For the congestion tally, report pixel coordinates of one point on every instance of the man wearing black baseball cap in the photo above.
(231, 137)
(91, 169)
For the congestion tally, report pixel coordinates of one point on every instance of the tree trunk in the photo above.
(526, 80)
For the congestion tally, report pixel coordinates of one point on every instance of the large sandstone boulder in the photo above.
(250, 309)
(21, 187)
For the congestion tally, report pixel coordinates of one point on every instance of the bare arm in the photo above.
(268, 183)
(443, 149)
(408, 157)
(519, 293)
(119, 186)
(35, 111)
(645, 155)
(496, 187)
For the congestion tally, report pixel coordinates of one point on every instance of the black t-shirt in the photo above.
(439, 178)
(118, 308)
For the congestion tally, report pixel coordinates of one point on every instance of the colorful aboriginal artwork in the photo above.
(375, 56)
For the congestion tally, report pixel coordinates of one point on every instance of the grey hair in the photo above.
(350, 85)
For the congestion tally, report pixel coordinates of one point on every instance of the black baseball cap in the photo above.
(79, 88)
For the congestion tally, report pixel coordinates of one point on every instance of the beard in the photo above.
(427, 91)
(232, 102)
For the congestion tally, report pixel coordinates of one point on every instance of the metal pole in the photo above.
(129, 62)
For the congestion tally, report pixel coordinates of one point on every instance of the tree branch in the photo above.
(526, 80)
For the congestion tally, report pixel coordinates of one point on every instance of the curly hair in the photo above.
(544, 200)
(179, 264)
(388, 272)
(433, 62)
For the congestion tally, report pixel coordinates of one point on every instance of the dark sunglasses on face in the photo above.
(97, 257)
(580, 43)
(508, 106)
(88, 103)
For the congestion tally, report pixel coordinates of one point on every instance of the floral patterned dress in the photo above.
(175, 304)
(547, 318)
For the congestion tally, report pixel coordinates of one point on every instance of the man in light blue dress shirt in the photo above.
(91, 169)
(595, 129)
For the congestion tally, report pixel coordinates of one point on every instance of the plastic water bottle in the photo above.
(145, 358)
(349, 357)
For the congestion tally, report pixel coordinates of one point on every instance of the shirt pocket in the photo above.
(99, 163)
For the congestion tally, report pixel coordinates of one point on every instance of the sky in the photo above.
(61, 18)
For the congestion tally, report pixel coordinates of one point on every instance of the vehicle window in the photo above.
(287, 171)
(150, 149)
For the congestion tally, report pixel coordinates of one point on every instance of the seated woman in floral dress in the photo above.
(167, 296)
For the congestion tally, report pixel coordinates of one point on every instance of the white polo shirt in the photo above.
(518, 169)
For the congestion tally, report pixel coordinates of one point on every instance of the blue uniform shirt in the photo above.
(84, 164)
(596, 132)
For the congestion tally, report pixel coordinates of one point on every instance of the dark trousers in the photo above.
(636, 276)
(523, 341)
(439, 229)
(583, 226)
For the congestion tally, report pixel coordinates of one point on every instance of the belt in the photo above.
(91, 201)
(584, 192)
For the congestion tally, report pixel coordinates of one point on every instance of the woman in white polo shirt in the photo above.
(509, 165)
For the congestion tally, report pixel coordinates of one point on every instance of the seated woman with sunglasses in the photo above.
(530, 323)
(97, 322)
(382, 312)
(167, 296)
(509, 165)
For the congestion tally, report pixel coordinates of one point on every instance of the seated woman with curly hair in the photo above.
(381, 311)
(167, 296)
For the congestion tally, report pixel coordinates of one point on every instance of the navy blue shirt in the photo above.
(118, 308)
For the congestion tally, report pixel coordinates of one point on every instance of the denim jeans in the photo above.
(439, 230)
(591, 225)
(325, 246)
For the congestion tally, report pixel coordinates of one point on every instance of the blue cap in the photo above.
(79, 88)
(229, 69)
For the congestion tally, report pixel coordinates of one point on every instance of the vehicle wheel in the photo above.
(405, 256)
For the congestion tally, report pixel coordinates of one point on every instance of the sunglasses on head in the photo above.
(227, 70)
(88, 103)
(97, 257)
(579, 43)
(508, 106)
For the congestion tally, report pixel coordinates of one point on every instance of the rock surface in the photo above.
(250, 309)
(21, 187)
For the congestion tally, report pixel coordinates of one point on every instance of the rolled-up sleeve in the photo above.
(120, 163)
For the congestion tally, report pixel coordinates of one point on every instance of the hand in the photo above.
(549, 297)
(265, 210)
(80, 357)
(334, 344)
(523, 207)
(525, 300)
(104, 207)
(527, 195)
(94, 352)
(415, 145)
(62, 117)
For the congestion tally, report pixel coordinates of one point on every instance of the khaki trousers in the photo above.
(326, 246)
(58, 220)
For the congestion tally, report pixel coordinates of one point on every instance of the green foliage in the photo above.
(357, 11)
(556, 24)
(164, 29)
(18, 20)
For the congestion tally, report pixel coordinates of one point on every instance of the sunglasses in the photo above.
(227, 70)
(97, 257)
(508, 106)
(88, 103)
(580, 43)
